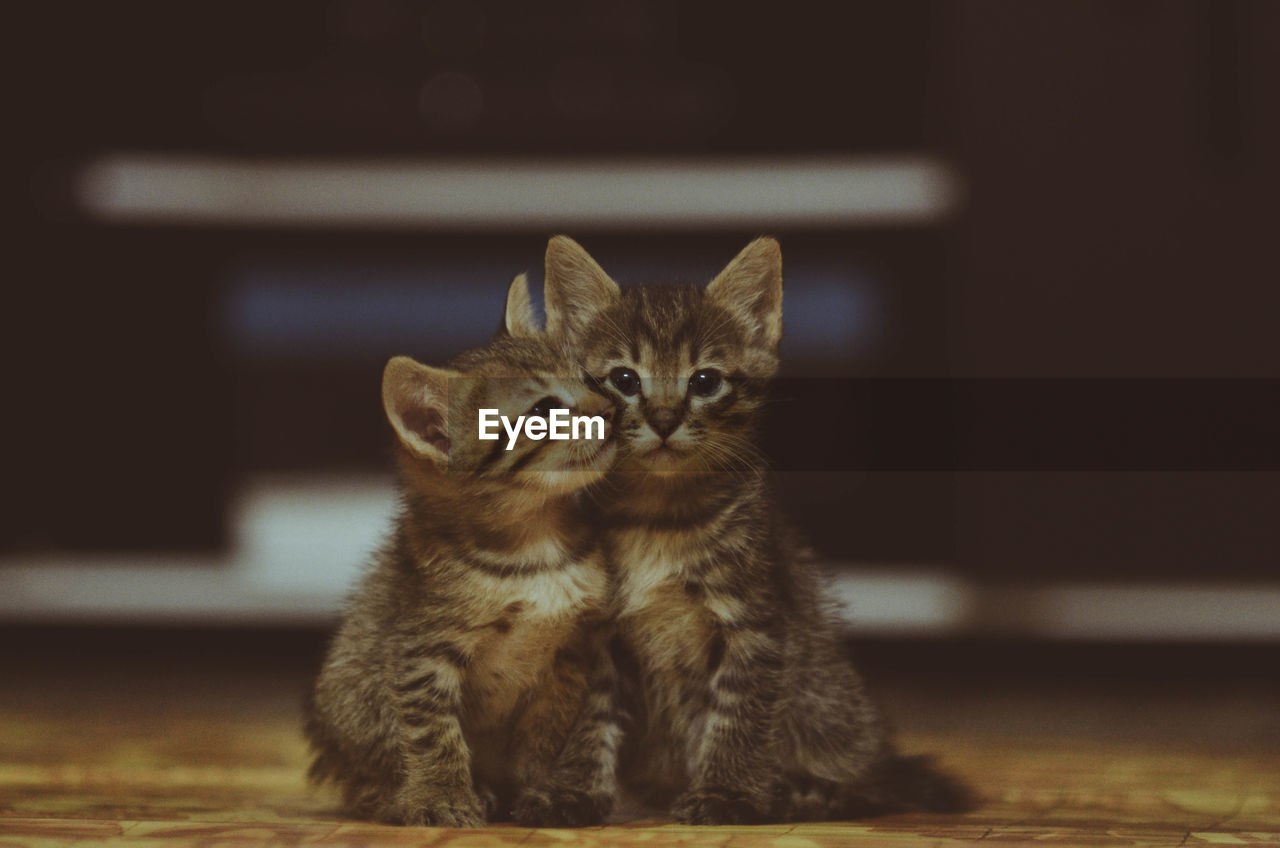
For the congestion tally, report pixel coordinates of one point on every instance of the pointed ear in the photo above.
(519, 320)
(750, 289)
(576, 287)
(416, 400)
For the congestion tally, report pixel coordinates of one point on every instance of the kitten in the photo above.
(471, 662)
(749, 709)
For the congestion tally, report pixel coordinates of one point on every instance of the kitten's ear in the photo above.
(416, 399)
(576, 287)
(750, 288)
(519, 320)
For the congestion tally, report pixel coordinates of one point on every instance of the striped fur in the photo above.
(470, 678)
(748, 709)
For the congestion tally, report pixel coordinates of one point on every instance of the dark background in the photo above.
(1117, 221)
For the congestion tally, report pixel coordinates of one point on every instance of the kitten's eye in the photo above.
(625, 380)
(543, 408)
(704, 383)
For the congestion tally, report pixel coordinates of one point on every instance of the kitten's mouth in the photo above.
(663, 456)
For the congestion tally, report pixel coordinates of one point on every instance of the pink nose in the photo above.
(597, 405)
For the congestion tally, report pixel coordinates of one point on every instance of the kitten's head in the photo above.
(688, 366)
(435, 412)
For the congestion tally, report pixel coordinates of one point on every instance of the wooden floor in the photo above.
(206, 750)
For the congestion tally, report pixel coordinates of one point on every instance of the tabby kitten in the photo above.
(748, 708)
(471, 662)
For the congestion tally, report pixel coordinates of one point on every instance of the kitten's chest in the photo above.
(662, 611)
(528, 619)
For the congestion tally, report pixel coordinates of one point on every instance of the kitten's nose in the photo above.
(664, 420)
(597, 405)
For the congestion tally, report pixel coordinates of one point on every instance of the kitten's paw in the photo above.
(447, 808)
(489, 802)
(562, 806)
(719, 805)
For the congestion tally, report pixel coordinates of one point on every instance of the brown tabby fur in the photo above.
(748, 709)
(471, 662)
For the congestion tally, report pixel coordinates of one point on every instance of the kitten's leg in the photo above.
(803, 797)
(581, 787)
(489, 800)
(841, 761)
(735, 759)
(546, 718)
(437, 788)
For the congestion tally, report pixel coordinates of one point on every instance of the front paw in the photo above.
(445, 808)
(489, 802)
(719, 805)
(561, 806)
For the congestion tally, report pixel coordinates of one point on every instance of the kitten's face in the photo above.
(436, 413)
(688, 387)
(528, 377)
(687, 366)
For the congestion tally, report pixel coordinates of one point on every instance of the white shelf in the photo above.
(546, 195)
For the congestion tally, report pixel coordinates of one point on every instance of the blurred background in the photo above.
(226, 217)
